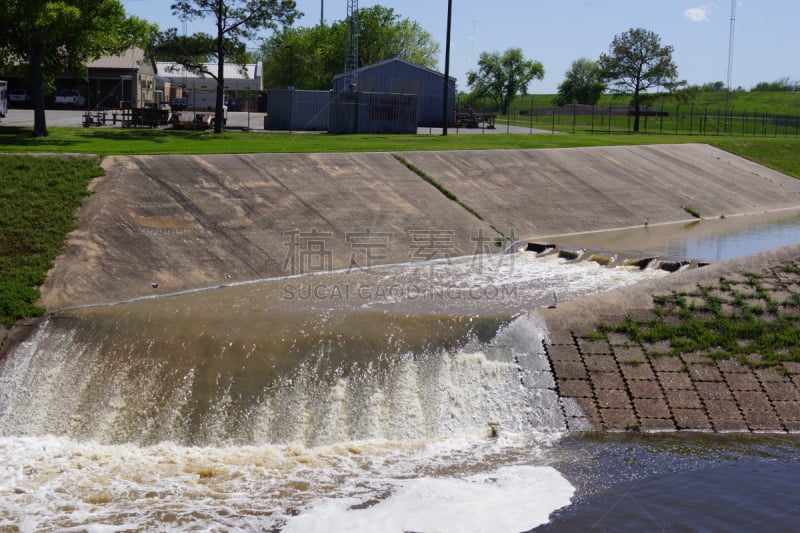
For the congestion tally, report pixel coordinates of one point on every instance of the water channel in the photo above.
(401, 398)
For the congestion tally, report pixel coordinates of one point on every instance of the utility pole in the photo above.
(446, 90)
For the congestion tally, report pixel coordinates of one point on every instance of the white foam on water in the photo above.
(509, 499)
(57, 484)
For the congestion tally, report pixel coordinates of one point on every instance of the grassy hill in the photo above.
(774, 103)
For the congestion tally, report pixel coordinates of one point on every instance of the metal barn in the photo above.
(398, 76)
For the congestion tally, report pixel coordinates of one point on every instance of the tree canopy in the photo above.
(236, 21)
(44, 38)
(637, 62)
(310, 57)
(582, 84)
(501, 77)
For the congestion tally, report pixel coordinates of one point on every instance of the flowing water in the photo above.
(298, 403)
(403, 398)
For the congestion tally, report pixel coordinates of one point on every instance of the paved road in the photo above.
(74, 117)
(241, 119)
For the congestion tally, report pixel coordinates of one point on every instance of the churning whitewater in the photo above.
(271, 406)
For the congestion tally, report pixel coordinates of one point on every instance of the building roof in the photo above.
(131, 59)
(395, 59)
(230, 71)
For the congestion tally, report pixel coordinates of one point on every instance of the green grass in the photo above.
(774, 103)
(733, 319)
(134, 141)
(38, 198)
(753, 114)
(692, 211)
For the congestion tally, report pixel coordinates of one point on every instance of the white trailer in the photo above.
(203, 99)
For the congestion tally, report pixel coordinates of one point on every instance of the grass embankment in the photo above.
(753, 114)
(779, 153)
(771, 102)
(132, 141)
(38, 195)
(38, 198)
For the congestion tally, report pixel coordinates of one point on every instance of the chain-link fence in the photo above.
(664, 119)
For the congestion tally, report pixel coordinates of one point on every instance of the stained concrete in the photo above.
(159, 224)
(547, 192)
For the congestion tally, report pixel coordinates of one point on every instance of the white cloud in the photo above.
(698, 14)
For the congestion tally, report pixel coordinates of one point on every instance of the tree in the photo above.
(582, 84)
(44, 38)
(781, 84)
(637, 62)
(236, 21)
(311, 57)
(502, 76)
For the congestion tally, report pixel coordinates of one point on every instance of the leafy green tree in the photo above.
(501, 77)
(303, 57)
(779, 85)
(637, 62)
(582, 84)
(713, 87)
(236, 21)
(43, 38)
(311, 57)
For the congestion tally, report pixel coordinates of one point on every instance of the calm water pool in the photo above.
(702, 240)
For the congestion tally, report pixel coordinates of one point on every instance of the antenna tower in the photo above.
(730, 46)
(351, 47)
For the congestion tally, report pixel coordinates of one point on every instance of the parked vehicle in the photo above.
(70, 98)
(19, 98)
(189, 121)
(234, 105)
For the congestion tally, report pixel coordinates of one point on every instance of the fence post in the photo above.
(573, 118)
(677, 107)
(593, 106)
(531, 118)
(554, 120)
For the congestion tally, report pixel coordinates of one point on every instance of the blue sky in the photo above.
(556, 32)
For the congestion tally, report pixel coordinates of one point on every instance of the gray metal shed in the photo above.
(398, 76)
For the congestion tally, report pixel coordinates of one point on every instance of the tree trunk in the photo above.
(37, 93)
(636, 111)
(219, 116)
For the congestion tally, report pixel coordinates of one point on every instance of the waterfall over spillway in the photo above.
(104, 376)
(239, 407)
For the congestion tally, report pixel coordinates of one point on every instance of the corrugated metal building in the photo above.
(293, 110)
(398, 76)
